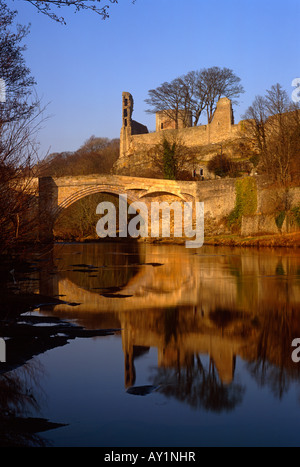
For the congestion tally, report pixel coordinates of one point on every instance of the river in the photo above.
(199, 353)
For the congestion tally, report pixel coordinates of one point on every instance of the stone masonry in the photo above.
(136, 141)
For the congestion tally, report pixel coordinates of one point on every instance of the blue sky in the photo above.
(82, 68)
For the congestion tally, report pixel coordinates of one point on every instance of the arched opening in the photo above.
(77, 217)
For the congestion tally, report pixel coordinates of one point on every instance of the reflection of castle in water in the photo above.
(183, 303)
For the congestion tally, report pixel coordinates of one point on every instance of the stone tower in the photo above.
(126, 130)
(129, 126)
(221, 126)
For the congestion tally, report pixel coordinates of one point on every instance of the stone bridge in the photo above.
(57, 194)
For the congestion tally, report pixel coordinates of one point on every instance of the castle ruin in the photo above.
(203, 141)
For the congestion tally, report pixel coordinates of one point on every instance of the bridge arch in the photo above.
(92, 190)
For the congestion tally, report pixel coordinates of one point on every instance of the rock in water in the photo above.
(142, 390)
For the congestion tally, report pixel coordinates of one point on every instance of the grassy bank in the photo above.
(274, 241)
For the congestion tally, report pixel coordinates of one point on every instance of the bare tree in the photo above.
(18, 193)
(13, 70)
(273, 128)
(48, 7)
(20, 118)
(95, 156)
(194, 97)
(195, 92)
(256, 117)
(215, 83)
(169, 98)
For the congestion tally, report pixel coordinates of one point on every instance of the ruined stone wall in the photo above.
(134, 148)
(190, 137)
(218, 196)
(166, 121)
(279, 199)
(271, 203)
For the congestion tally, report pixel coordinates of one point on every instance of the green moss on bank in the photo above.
(245, 204)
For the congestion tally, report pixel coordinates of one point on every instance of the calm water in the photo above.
(209, 331)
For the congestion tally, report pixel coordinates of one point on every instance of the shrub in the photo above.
(169, 160)
(279, 219)
(219, 165)
(223, 166)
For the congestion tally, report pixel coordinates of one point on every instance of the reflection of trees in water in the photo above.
(16, 402)
(267, 349)
(275, 378)
(198, 386)
(30, 336)
(171, 324)
(280, 269)
(271, 364)
(223, 318)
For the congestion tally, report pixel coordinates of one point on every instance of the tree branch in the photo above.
(46, 7)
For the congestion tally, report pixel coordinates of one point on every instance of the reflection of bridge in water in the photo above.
(181, 303)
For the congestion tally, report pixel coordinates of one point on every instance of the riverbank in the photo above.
(260, 241)
(270, 241)
(291, 240)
